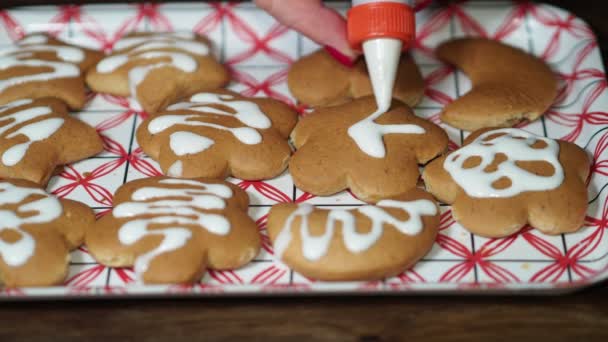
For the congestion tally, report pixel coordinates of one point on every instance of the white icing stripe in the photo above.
(516, 145)
(246, 135)
(315, 247)
(176, 207)
(34, 39)
(14, 104)
(65, 53)
(185, 143)
(39, 211)
(369, 136)
(152, 47)
(29, 122)
(59, 70)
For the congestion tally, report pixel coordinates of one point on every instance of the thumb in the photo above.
(310, 17)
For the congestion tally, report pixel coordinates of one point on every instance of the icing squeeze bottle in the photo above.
(381, 29)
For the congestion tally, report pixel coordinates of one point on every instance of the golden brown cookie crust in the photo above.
(508, 84)
(319, 80)
(205, 246)
(561, 210)
(160, 85)
(328, 160)
(390, 254)
(65, 139)
(227, 156)
(36, 57)
(56, 226)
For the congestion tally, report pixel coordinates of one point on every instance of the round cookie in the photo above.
(502, 179)
(42, 66)
(38, 135)
(353, 146)
(171, 230)
(320, 80)
(508, 84)
(157, 69)
(219, 134)
(367, 243)
(37, 232)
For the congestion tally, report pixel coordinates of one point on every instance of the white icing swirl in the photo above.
(44, 209)
(175, 207)
(516, 145)
(315, 247)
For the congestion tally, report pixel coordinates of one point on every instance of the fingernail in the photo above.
(345, 60)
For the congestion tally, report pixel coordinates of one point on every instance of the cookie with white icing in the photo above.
(172, 230)
(367, 243)
(156, 69)
(38, 135)
(37, 233)
(320, 80)
(354, 146)
(42, 66)
(508, 85)
(502, 179)
(219, 134)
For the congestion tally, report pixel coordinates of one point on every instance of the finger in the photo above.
(319, 23)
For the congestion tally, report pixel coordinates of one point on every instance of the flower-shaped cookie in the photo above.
(42, 66)
(158, 68)
(508, 84)
(353, 146)
(38, 135)
(502, 179)
(37, 232)
(367, 243)
(171, 230)
(219, 134)
(320, 80)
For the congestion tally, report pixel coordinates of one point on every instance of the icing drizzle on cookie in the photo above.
(175, 208)
(369, 135)
(34, 123)
(184, 143)
(315, 247)
(43, 209)
(516, 145)
(23, 56)
(174, 48)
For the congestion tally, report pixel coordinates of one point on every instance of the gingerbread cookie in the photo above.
(37, 232)
(375, 154)
(368, 243)
(38, 135)
(171, 230)
(219, 134)
(42, 66)
(502, 179)
(158, 68)
(320, 80)
(508, 84)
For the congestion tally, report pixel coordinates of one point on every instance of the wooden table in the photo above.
(578, 317)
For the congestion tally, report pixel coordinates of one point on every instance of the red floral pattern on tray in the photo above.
(258, 52)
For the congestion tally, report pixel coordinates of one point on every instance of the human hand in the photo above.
(319, 23)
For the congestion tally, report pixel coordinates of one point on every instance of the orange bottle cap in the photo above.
(381, 20)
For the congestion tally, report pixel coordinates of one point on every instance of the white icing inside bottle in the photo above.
(516, 145)
(315, 247)
(42, 210)
(32, 122)
(177, 208)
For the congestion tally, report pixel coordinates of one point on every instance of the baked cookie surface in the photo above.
(502, 179)
(368, 243)
(42, 66)
(37, 232)
(219, 134)
(156, 69)
(38, 135)
(172, 230)
(352, 146)
(319, 80)
(508, 84)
